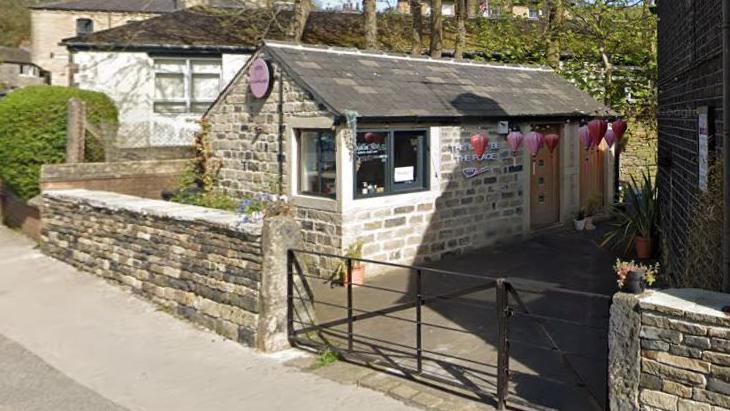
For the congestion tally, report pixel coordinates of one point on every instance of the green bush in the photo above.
(33, 132)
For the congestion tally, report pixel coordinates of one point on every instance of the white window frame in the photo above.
(188, 75)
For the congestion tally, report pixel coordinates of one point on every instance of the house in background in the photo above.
(529, 9)
(17, 70)
(53, 22)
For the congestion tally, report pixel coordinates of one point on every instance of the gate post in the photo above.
(502, 345)
(279, 234)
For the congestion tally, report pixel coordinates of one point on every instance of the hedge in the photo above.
(33, 132)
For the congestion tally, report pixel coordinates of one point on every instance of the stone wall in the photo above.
(19, 214)
(245, 134)
(670, 350)
(201, 264)
(139, 178)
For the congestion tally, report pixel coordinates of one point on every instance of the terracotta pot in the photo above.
(634, 283)
(643, 247)
(358, 275)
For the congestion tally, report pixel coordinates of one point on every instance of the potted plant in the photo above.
(580, 220)
(354, 251)
(632, 277)
(638, 222)
(594, 205)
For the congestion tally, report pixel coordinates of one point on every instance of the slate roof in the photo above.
(385, 86)
(14, 55)
(211, 27)
(143, 6)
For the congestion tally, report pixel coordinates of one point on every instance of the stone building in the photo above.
(53, 22)
(689, 85)
(17, 69)
(391, 149)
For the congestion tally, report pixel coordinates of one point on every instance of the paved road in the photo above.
(71, 341)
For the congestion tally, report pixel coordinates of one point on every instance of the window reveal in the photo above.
(185, 85)
(390, 162)
(84, 26)
(318, 166)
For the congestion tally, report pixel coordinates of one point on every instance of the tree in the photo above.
(437, 27)
(461, 12)
(371, 25)
(556, 17)
(417, 28)
(301, 14)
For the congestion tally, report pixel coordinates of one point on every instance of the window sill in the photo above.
(318, 203)
(392, 200)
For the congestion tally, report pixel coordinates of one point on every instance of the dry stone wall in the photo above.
(201, 264)
(670, 350)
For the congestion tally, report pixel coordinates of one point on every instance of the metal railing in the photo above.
(456, 371)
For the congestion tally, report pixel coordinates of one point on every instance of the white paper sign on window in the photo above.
(404, 174)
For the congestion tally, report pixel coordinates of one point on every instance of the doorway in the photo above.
(545, 183)
(593, 174)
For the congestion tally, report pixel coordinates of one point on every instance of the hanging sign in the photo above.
(704, 145)
(259, 78)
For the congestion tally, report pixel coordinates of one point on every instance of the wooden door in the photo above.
(545, 184)
(593, 173)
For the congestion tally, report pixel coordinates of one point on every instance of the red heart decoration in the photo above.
(597, 129)
(479, 143)
(619, 128)
(551, 141)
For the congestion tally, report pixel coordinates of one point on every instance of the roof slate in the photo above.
(383, 86)
(138, 6)
(14, 55)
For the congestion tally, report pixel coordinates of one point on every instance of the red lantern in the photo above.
(514, 138)
(551, 141)
(479, 143)
(534, 142)
(597, 129)
(619, 128)
(585, 137)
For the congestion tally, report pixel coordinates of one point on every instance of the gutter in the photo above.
(726, 144)
(81, 46)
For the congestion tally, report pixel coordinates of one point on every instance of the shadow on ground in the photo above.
(459, 334)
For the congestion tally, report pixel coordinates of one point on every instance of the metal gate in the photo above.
(496, 340)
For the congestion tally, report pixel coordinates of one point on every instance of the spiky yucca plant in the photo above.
(639, 218)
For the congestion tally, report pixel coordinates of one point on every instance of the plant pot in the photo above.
(580, 225)
(634, 283)
(643, 247)
(358, 275)
(589, 224)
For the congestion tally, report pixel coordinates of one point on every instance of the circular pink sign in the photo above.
(259, 78)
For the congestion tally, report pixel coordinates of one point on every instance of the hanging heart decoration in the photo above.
(619, 128)
(514, 139)
(373, 138)
(610, 137)
(479, 143)
(534, 142)
(584, 136)
(551, 141)
(597, 129)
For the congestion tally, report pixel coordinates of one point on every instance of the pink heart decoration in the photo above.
(619, 128)
(479, 143)
(597, 129)
(534, 142)
(610, 137)
(514, 138)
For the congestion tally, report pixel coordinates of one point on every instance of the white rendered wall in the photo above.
(128, 79)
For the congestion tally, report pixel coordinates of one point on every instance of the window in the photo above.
(534, 14)
(186, 85)
(28, 70)
(390, 162)
(84, 26)
(317, 169)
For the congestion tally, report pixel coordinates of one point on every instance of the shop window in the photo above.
(317, 169)
(185, 85)
(84, 26)
(390, 162)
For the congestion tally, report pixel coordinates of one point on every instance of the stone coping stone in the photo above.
(85, 171)
(156, 208)
(700, 305)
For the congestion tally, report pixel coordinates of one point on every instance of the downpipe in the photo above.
(726, 144)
